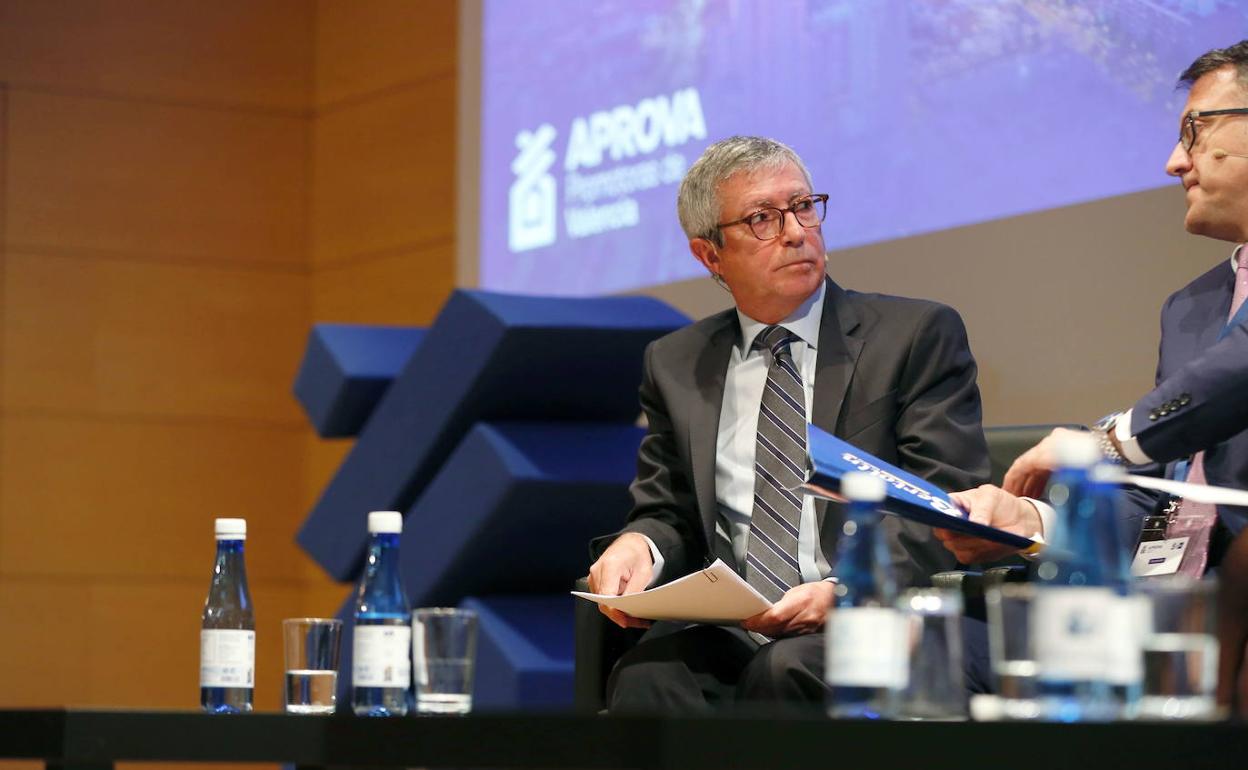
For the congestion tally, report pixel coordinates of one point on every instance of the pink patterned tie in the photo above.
(1195, 520)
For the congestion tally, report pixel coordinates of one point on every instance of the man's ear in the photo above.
(704, 251)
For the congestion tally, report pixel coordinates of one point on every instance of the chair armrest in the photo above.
(599, 643)
(969, 584)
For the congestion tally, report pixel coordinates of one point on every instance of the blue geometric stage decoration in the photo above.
(346, 369)
(514, 507)
(508, 438)
(524, 652)
(487, 357)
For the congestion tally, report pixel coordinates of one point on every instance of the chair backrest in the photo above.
(1007, 442)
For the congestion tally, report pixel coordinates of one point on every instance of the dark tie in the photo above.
(779, 467)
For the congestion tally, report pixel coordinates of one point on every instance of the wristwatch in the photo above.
(1104, 430)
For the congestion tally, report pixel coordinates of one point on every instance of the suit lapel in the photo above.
(839, 346)
(709, 373)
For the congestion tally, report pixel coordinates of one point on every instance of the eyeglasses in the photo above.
(768, 223)
(1187, 134)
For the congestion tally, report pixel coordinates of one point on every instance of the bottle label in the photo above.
(1130, 618)
(227, 658)
(867, 647)
(381, 656)
(1071, 627)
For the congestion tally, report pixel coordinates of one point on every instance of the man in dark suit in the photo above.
(1198, 405)
(891, 375)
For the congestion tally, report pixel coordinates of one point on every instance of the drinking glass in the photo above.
(1180, 650)
(1011, 649)
(444, 649)
(937, 688)
(311, 647)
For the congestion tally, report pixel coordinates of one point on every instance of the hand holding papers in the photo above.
(716, 595)
(907, 495)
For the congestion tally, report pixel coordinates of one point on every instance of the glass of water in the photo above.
(444, 650)
(1181, 650)
(937, 688)
(311, 648)
(1011, 649)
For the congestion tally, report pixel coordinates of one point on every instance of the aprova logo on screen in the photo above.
(532, 200)
(628, 139)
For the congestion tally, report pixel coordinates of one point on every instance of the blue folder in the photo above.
(906, 495)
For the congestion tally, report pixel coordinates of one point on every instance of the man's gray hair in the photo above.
(698, 204)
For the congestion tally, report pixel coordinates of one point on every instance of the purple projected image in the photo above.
(912, 116)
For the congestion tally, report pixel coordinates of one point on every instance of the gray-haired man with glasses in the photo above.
(727, 400)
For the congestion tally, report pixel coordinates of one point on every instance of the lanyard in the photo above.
(1236, 320)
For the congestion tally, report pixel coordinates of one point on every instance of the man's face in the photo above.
(1217, 188)
(768, 279)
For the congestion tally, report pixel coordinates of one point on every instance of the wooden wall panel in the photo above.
(241, 52)
(383, 179)
(365, 46)
(127, 499)
(132, 645)
(134, 180)
(407, 288)
(44, 664)
(133, 338)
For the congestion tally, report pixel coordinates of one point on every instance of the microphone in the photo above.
(1218, 154)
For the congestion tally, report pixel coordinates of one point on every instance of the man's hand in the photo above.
(1030, 473)
(624, 568)
(997, 508)
(802, 610)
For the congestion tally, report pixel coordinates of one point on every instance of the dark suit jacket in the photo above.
(1201, 401)
(894, 376)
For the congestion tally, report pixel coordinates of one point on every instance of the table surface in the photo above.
(95, 738)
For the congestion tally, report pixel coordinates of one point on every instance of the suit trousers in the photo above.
(689, 669)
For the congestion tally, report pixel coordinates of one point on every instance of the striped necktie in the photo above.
(779, 467)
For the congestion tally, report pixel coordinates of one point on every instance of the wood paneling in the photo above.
(133, 180)
(135, 338)
(235, 52)
(384, 178)
(123, 644)
(365, 46)
(406, 288)
(166, 185)
(127, 499)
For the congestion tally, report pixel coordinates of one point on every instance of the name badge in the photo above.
(1159, 557)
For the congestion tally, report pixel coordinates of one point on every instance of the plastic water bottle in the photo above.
(866, 652)
(381, 662)
(227, 639)
(1083, 620)
(1131, 612)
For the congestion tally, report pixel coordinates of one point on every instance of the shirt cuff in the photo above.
(1048, 525)
(658, 561)
(1128, 444)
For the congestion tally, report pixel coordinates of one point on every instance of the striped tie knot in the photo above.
(776, 339)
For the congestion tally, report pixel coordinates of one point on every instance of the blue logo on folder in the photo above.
(906, 495)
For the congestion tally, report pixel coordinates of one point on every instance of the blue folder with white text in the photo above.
(906, 495)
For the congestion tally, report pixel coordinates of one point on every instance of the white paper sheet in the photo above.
(716, 595)
(1201, 493)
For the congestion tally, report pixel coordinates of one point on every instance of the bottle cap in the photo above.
(231, 529)
(1076, 449)
(385, 522)
(865, 487)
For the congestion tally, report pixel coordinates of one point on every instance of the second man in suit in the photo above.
(727, 400)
